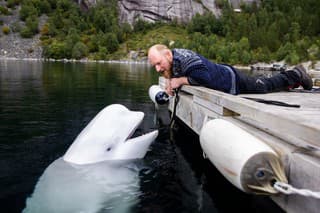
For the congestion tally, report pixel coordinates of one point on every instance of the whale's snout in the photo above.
(109, 137)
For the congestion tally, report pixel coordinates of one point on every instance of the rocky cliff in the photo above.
(167, 10)
(12, 45)
(164, 10)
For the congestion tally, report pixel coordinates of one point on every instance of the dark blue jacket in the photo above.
(201, 71)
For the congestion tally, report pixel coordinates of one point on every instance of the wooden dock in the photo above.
(293, 132)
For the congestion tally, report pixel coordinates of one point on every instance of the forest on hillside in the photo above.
(273, 31)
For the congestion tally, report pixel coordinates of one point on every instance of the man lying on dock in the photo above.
(185, 67)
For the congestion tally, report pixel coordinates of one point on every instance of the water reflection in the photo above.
(44, 106)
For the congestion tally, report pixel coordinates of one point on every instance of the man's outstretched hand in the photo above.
(175, 83)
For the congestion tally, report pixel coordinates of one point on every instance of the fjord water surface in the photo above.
(45, 105)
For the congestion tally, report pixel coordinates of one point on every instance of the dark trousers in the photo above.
(281, 81)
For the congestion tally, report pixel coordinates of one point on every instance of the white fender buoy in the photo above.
(158, 95)
(244, 160)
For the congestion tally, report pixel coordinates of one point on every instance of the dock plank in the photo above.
(300, 126)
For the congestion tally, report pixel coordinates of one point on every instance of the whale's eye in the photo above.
(109, 149)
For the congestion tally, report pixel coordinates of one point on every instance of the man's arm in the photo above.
(175, 83)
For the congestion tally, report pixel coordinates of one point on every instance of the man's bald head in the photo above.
(160, 56)
(158, 48)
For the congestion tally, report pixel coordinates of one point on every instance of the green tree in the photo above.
(13, 3)
(101, 54)
(32, 23)
(79, 50)
(314, 52)
(292, 57)
(112, 43)
(284, 50)
(56, 50)
(73, 37)
(64, 5)
(27, 10)
(141, 26)
(31, 27)
(295, 31)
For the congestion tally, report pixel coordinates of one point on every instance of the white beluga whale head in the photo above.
(107, 137)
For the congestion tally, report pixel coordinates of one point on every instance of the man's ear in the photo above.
(168, 54)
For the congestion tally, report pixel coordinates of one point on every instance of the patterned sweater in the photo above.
(201, 71)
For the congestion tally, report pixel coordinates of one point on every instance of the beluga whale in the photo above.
(100, 170)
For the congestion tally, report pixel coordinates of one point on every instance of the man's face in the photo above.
(162, 62)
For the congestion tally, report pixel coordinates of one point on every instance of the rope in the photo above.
(288, 189)
(175, 103)
(277, 103)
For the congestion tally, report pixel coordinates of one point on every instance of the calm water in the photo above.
(44, 106)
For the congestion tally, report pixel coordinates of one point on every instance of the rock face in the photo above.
(86, 3)
(166, 10)
(13, 46)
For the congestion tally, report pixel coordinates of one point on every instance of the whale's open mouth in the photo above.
(137, 132)
(134, 130)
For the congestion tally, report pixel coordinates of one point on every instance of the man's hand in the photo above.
(175, 83)
(169, 89)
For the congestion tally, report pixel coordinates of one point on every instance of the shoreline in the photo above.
(75, 60)
(144, 62)
(312, 69)
(128, 61)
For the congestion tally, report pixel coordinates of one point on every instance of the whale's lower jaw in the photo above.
(136, 148)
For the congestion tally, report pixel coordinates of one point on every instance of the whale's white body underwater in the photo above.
(97, 173)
